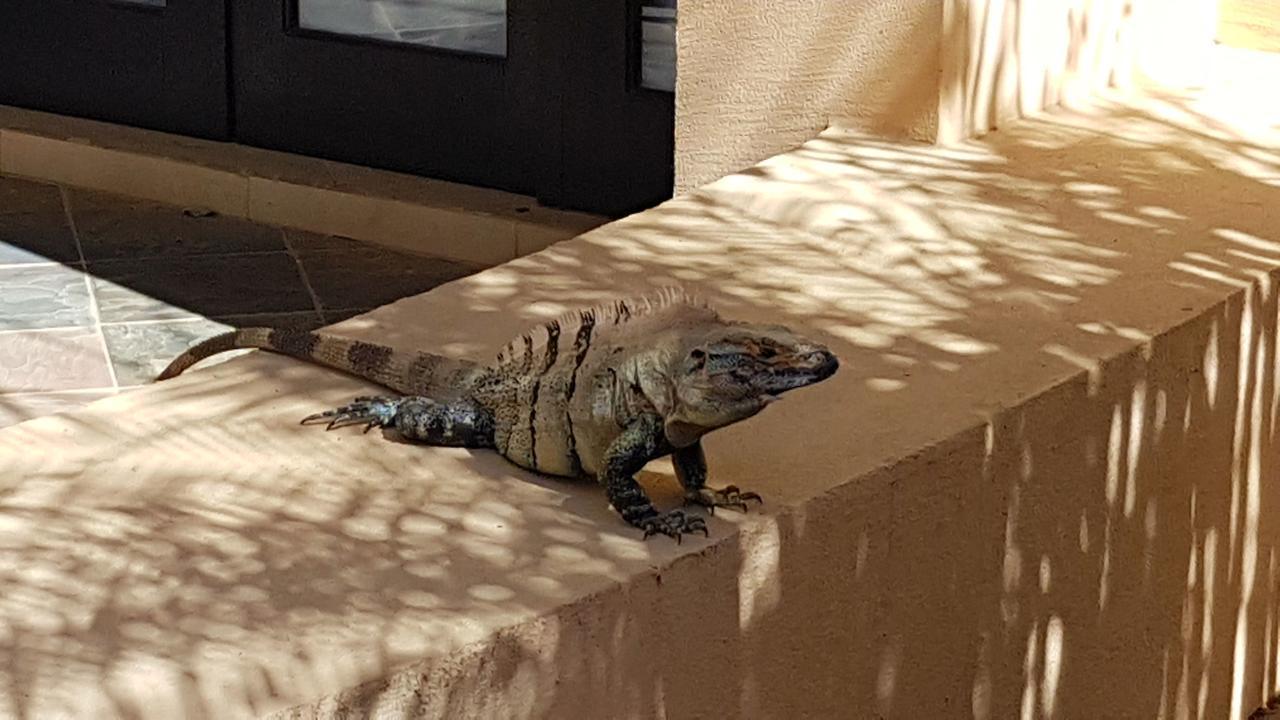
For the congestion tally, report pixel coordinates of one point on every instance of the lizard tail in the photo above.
(407, 373)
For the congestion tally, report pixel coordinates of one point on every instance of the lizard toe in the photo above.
(370, 412)
(729, 497)
(674, 524)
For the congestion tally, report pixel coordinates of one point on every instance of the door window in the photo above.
(475, 26)
(658, 44)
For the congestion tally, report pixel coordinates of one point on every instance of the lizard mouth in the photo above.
(801, 370)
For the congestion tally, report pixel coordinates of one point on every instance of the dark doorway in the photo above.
(570, 102)
(136, 62)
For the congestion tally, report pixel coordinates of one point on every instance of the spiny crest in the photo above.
(617, 312)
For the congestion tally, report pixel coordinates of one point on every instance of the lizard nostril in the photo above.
(824, 361)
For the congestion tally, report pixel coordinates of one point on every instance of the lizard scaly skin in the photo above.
(599, 393)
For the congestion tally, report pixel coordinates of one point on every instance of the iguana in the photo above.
(600, 392)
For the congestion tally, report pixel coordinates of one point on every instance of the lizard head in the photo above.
(733, 371)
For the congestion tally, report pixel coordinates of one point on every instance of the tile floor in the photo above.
(99, 292)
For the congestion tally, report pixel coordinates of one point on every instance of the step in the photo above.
(405, 212)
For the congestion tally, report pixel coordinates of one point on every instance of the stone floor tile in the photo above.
(43, 296)
(33, 224)
(303, 242)
(301, 320)
(139, 351)
(113, 227)
(49, 360)
(119, 302)
(336, 316)
(349, 274)
(210, 286)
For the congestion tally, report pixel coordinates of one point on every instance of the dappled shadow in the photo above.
(205, 565)
(973, 518)
(1013, 58)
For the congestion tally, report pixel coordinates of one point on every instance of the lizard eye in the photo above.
(699, 358)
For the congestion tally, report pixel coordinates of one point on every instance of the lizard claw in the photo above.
(370, 411)
(730, 497)
(673, 524)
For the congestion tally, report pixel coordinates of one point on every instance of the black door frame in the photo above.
(617, 138)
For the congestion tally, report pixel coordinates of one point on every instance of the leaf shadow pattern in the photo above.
(975, 517)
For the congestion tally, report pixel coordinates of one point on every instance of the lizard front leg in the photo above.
(691, 469)
(637, 445)
(460, 423)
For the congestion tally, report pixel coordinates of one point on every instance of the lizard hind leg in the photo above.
(453, 424)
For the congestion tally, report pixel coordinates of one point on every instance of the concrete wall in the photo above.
(1057, 416)
(1253, 24)
(1004, 59)
(1007, 58)
(1103, 551)
(1174, 40)
(759, 77)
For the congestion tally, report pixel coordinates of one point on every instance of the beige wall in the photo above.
(1173, 41)
(1007, 58)
(1004, 59)
(1042, 486)
(1250, 24)
(759, 77)
(1100, 552)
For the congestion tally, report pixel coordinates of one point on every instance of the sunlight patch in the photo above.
(759, 587)
(887, 680)
(885, 384)
(954, 343)
(1029, 663)
(1244, 238)
(1053, 656)
(1137, 415)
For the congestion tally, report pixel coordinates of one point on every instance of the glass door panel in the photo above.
(475, 26)
(658, 44)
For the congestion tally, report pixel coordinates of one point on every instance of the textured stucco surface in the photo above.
(1009, 58)
(1048, 462)
(759, 77)
(1251, 24)
(1005, 59)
